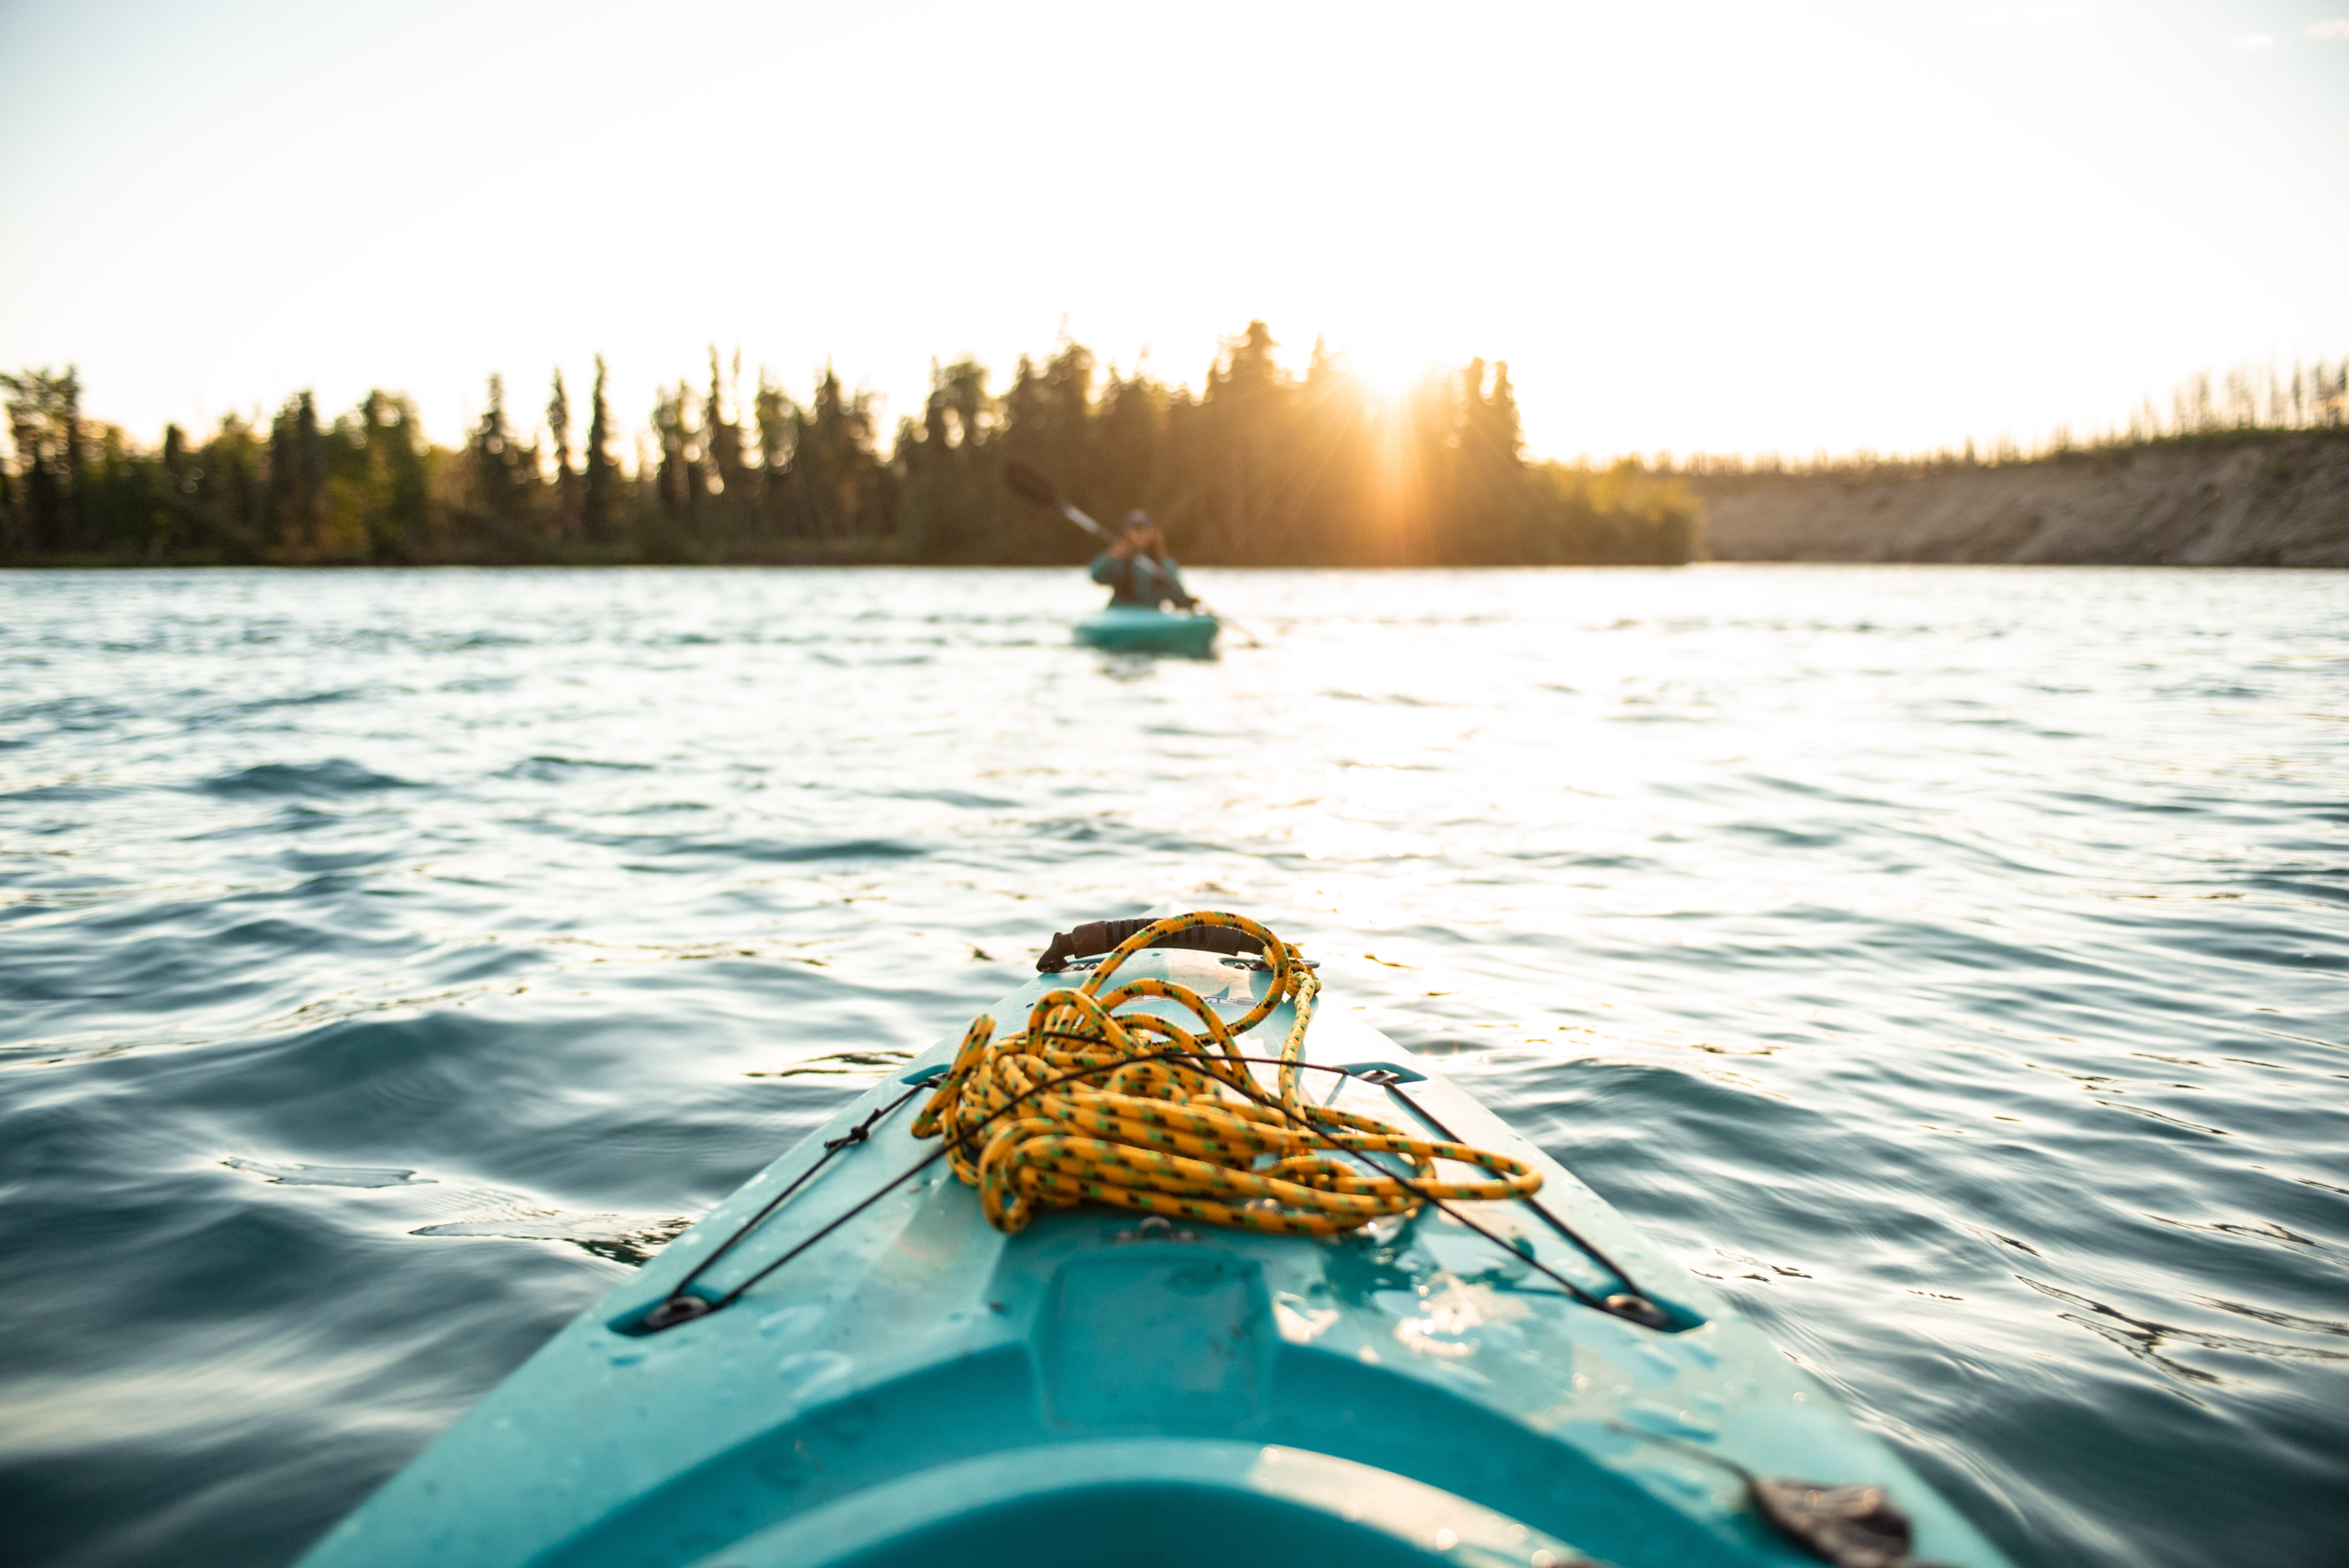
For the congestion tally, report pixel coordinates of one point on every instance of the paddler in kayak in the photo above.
(1138, 571)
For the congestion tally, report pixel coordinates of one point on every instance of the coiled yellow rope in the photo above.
(1199, 1139)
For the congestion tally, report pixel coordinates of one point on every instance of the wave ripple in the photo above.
(1946, 960)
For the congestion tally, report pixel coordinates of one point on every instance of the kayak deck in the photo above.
(1108, 1387)
(1133, 628)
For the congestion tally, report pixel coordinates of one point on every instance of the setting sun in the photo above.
(1390, 368)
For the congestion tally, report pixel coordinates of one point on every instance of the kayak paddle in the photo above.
(1030, 485)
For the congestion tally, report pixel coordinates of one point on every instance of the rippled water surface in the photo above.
(1949, 962)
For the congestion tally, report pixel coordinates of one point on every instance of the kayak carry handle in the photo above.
(1100, 936)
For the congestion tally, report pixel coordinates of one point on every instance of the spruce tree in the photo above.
(673, 481)
(566, 481)
(722, 457)
(75, 460)
(178, 485)
(778, 429)
(599, 510)
(1245, 418)
(297, 480)
(505, 476)
(399, 502)
(44, 424)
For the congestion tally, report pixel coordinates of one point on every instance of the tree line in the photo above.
(2244, 402)
(1258, 467)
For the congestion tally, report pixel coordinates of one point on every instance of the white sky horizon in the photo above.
(1719, 227)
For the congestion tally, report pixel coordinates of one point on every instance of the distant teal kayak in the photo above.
(872, 1375)
(1132, 629)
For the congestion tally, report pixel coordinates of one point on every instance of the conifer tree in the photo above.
(723, 460)
(45, 426)
(678, 476)
(297, 480)
(179, 486)
(778, 428)
(600, 497)
(505, 478)
(70, 416)
(1333, 468)
(392, 476)
(836, 474)
(1243, 422)
(566, 481)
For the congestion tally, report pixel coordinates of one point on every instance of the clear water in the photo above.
(1947, 961)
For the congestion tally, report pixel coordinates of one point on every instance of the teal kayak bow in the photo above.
(846, 1363)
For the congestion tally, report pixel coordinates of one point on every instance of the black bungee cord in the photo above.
(679, 1306)
(672, 1308)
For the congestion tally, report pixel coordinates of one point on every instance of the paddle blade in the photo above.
(1026, 482)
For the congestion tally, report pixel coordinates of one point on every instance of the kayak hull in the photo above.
(1103, 1386)
(1130, 629)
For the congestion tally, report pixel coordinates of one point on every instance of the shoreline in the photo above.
(2263, 498)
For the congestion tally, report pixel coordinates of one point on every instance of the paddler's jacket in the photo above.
(1139, 579)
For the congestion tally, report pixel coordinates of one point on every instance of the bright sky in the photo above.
(1735, 226)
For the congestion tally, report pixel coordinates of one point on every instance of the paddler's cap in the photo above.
(1137, 518)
